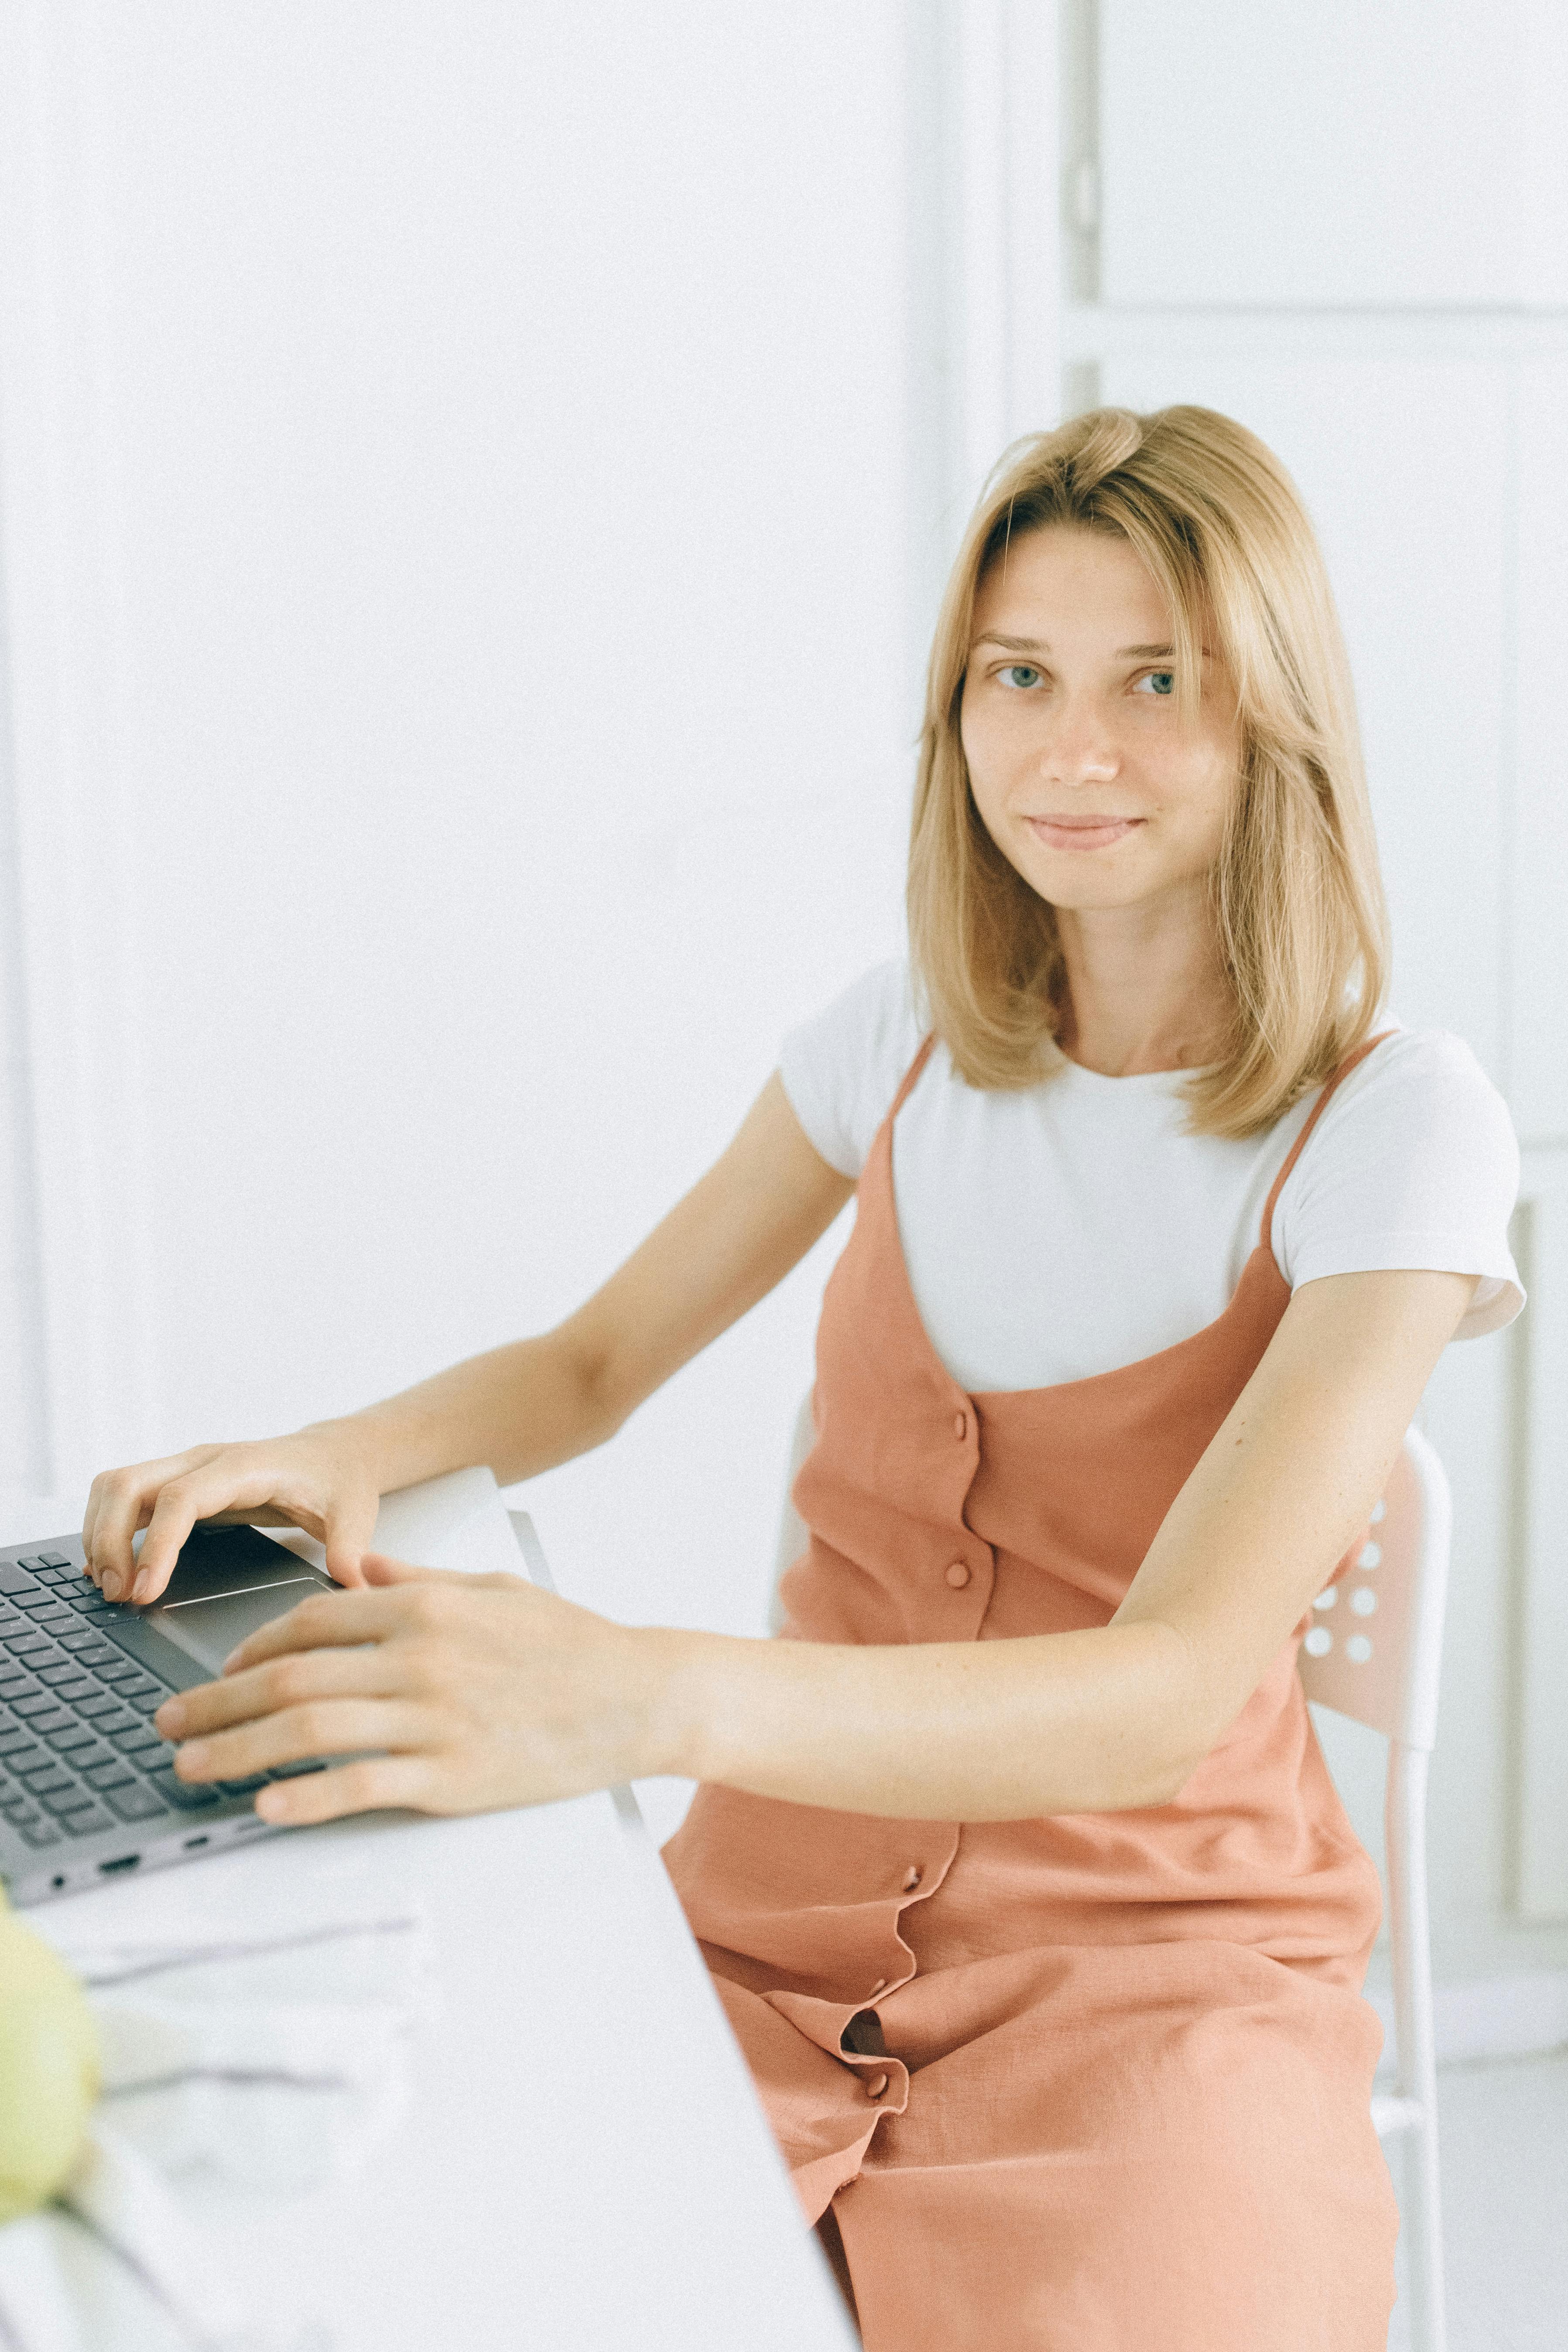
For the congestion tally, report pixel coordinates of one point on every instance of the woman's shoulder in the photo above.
(842, 1068)
(1413, 1164)
(1428, 1083)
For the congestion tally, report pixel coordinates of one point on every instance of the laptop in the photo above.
(88, 1791)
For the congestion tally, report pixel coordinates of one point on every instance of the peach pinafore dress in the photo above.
(1094, 2082)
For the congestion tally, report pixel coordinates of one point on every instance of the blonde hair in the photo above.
(1295, 891)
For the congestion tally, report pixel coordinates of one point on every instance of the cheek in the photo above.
(1207, 786)
(984, 753)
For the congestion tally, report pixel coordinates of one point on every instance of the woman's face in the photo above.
(1087, 777)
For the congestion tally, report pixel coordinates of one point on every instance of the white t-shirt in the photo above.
(1070, 1228)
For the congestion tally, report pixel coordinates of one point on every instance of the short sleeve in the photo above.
(1413, 1164)
(842, 1069)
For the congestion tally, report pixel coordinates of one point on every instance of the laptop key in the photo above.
(76, 1743)
(189, 1795)
(66, 1678)
(86, 1820)
(28, 1759)
(115, 1774)
(113, 1722)
(64, 1803)
(101, 1710)
(43, 1832)
(20, 1685)
(96, 1652)
(47, 1779)
(135, 1804)
(131, 1738)
(145, 1691)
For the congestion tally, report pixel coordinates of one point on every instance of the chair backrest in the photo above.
(793, 1533)
(1373, 1649)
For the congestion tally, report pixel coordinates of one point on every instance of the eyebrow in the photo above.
(1038, 646)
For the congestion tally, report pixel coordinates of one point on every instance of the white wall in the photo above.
(455, 481)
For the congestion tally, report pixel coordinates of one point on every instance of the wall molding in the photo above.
(75, 896)
(1539, 1674)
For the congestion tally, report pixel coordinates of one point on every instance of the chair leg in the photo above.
(1405, 1824)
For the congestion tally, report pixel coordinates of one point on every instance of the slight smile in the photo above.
(1080, 831)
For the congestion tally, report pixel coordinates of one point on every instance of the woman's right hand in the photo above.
(314, 1479)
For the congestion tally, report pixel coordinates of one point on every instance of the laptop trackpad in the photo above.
(208, 1628)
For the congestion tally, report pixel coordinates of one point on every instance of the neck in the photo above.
(1146, 989)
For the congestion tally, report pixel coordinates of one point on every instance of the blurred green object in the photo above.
(48, 2069)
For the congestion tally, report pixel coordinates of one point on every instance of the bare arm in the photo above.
(520, 1408)
(487, 1693)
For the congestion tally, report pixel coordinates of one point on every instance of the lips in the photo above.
(1081, 832)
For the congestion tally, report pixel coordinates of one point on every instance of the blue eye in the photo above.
(1161, 682)
(1020, 675)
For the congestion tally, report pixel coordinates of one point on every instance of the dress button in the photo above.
(911, 1877)
(958, 1575)
(875, 2087)
(960, 1425)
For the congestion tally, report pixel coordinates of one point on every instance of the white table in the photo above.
(582, 2161)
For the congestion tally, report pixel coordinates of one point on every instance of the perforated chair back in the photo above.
(1375, 1648)
(1373, 1652)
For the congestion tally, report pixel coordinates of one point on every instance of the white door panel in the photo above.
(1538, 896)
(1325, 151)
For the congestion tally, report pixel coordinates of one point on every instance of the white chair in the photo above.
(1373, 1653)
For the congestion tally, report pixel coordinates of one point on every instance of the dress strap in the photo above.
(1346, 1066)
(910, 1075)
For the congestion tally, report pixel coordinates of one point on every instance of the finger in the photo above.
(350, 1523)
(366, 1786)
(328, 1727)
(198, 1493)
(380, 1568)
(121, 1502)
(378, 1671)
(328, 1621)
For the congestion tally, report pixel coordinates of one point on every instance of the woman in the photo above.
(1180, 1232)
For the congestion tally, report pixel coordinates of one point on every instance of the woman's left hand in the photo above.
(478, 1692)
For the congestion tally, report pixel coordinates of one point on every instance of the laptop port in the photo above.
(192, 1844)
(121, 1862)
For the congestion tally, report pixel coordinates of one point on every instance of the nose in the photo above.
(1081, 749)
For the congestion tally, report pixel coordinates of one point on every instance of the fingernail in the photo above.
(111, 1586)
(193, 1756)
(139, 1590)
(170, 1716)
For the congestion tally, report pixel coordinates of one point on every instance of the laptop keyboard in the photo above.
(77, 1751)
